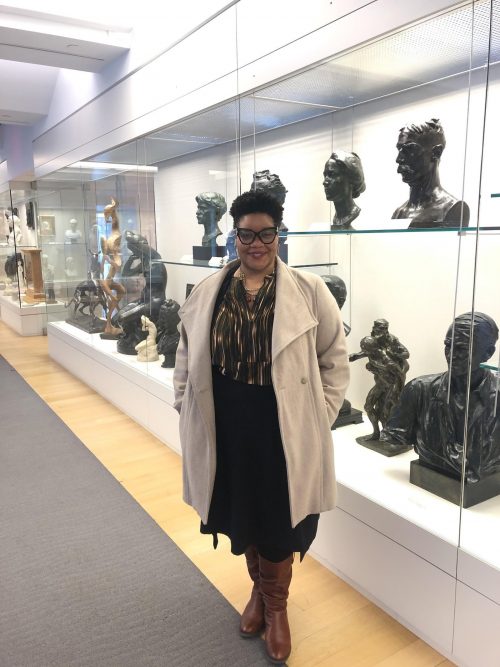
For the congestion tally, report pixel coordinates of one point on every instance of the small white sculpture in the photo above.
(69, 268)
(4, 226)
(73, 234)
(146, 349)
(15, 236)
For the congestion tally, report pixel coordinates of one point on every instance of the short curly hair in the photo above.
(256, 201)
(215, 200)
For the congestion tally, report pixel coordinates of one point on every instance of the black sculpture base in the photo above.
(123, 346)
(351, 416)
(169, 361)
(205, 252)
(449, 488)
(283, 252)
(87, 323)
(110, 336)
(385, 448)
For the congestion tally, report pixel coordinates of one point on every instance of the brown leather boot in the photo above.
(252, 618)
(275, 581)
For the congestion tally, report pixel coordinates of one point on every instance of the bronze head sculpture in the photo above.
(343, 181)
(420, 147)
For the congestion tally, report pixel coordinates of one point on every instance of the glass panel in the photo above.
(379, 150)
(198, 177)
(135, 206)
(479, 535)
(94, 205)
(21, 284)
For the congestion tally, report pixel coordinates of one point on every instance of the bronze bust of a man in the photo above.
(431, 413)
(419, 152)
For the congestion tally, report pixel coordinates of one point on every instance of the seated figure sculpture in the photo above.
(143, 260)
(420, 147)
(431, 412)
(343, 181)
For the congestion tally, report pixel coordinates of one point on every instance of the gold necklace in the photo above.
(250, 293)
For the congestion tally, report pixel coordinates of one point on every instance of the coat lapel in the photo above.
(292, 313)
(196, 316)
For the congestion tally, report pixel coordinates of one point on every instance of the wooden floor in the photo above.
(332, 624)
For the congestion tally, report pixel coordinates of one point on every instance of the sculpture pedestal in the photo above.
(35, 292)
(352, 416)
(206, 252)
(283, 252)
(449, 488)
(385, 448)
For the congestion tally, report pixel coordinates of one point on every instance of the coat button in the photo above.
(303, 380)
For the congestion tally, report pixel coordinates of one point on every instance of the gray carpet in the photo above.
(87, 578)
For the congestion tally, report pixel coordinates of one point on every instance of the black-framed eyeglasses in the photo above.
(248, 236)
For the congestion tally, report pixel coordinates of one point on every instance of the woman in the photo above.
(260, 375)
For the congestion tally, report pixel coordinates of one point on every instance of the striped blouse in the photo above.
(241, 336)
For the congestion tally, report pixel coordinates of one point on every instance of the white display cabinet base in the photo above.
(393, 541)
(26, 320)
(143, 391)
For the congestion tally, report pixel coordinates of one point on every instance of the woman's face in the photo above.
(257, 257)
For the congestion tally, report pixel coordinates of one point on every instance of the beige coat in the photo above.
(310, 373)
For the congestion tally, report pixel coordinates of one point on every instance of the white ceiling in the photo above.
(34, 45)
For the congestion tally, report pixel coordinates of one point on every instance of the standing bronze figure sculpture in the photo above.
(387, 360)
(450, 415)
(113, 290)
(419, 152)
(343, 181)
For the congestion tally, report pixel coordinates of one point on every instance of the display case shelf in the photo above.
(206, 265)
(353, 232)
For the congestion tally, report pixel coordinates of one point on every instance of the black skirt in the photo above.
(250, 502)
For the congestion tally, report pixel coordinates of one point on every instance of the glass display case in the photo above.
(23, 303)
(387, 156)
